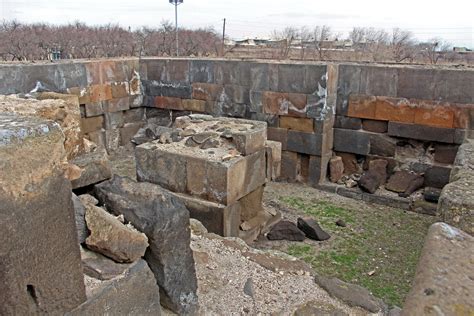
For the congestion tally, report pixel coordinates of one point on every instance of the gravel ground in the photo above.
(224, 270)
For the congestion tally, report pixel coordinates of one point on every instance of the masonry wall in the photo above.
(301, 102)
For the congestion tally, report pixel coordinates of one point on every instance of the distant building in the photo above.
(462, 50)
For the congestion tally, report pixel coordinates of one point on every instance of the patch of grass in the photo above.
(385, 242)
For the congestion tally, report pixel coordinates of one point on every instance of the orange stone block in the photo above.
(297, 124)
(297, 105)
(100, 92)
(169, 103)
(461, 115)
(362, 106)
(275, 103)
(430, 113)
(394, 109)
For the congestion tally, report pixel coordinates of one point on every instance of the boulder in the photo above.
(312, 229)
(416, 184)
(369, 182)
(400, 181)
(443, 282)
(112, 238)
(165, 221)
(352, 295)
(336, 169)
(285, 230)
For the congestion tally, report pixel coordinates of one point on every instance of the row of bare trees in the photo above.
(21, 42)
(375, 44)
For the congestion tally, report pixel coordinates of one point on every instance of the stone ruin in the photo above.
(358, 131)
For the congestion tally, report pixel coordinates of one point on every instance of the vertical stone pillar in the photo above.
(40, 265)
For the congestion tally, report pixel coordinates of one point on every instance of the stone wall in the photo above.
(363, 111)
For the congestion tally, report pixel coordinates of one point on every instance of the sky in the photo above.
(451, 20)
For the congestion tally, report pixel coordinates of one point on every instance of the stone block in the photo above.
(318, 168)
(348, 83)
(165, 221)
(100, 92)
(382, 145)
(429, 133)
(194, 105)
(117, 105)
(351, 165)
(40, 263)
(297, 104)
(113, 120)
(202, 71)
(394, 109)
(94, 109)
(445, 153)
(289, 166)
(336, 169)
(278, 135)
(238, 94)
(133, 292)
(95, 168)
(168, 103)
(442, 281)
(297, 124)
(134, 115)
(119, 89)
(291, 78)
(136, 101)
(307, 143)
(345, 122)
(379, 80)
(273, 154)
(362, 106)
(250, 141)
(92, 124)
(97, 137)
(437, 176)
(437, 115)
(275, 103)
(256, 101)
(375, 126)
(128, 131)
(416, 83)
(206, 91)
(351, 141)
(225, 181)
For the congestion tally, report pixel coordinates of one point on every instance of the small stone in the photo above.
(190, 142)
(176, 136)
(369, 182)
(248, 288)
(165, 138)
(202, 137)
(400, 181)
(88, 199)
(197, 228)
(312, 229)
(188, 132)
(371, 273)
(341, 223)
(432, 194)
(285, 230)
(351, 183)
(336, 169)
(210, 143)
(182, 122)
(413, 186)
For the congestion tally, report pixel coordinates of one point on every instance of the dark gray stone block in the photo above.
(429, 133)
(350, 141)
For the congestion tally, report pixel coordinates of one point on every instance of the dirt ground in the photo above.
(378, 249)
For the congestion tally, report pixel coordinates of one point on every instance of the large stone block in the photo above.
(165, 221)
(278, 135)
(318, 169)
(308, 143)
(348, 83)
(379, 80)
(443, 280)
(40, 266)
(297, 124)
(429, 133)
(289, 166)
(350, 141)
(95, 168)
(134, 292)
(275, 103)
(202, 71)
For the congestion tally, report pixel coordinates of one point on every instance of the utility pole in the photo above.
(223, 38)
(176, 3)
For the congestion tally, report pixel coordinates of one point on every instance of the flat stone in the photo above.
(95, 168)
(100, 267)
(443, 281)
(112, 238)
(134, 292)
(352, 295)
(369, 181)
(165, 220)
(285, 230)
(400, 181)
(312, 229)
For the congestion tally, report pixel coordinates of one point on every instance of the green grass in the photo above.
(385, 241)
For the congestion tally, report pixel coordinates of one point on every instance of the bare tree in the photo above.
(402, 45)
(321, 34)
(434, 50)
(286, 37)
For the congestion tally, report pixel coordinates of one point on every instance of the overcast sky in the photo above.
(451, 20)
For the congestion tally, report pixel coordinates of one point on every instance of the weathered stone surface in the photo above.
(112, 238)
(289, 166)
(61, 108)
(424, 207)
(100, 267)
(351, 294)
(351, 141)
(165, 221)
(273, 156)
(443, 281)
(285, 230)
(309, 143)
(317, 169)
(345, 122)
(40, 263)
(429, 133)
(312, 229)
(351, 165)
(95, 168)
(132, 293)
(432, 194)
(79, 215)
(445, 153)
(382, 145)
(375, 126)
(437, 176)
(375, 176)
(336, 169)
(414, 185)
(400, 181)
(278, 135)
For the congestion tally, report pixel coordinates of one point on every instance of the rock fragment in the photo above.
(285, 230)
(312, 229)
